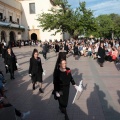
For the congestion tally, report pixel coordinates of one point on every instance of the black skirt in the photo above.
(37, 78)
(101, 60)
(63, 100)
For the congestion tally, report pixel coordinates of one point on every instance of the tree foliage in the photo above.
(80, 21)
(108, 25)
(65, 19)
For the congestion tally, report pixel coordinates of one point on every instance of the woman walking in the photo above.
(10, 62)
(62, 79)
(101, 54)
(57, 48)
(66, 48)
(36, 70)
(76, 51)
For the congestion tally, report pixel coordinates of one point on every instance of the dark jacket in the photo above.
(3, 52)
(11, 61)
(66, 48)
(57, 48)
(75, 50)
(62, 82)
(101, 53)
(35, 69)
(45, 48)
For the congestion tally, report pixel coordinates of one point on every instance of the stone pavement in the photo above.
(100, 99)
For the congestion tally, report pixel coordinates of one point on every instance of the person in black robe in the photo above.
(36, 70)
(44, 51)
(62, 80)
(0, 49)
(4, 50)
(101, 54)
(61, 55)
(76, 51)
(66, 48)
(57, 48)
(10, 62)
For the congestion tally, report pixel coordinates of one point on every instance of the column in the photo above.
(7, 37)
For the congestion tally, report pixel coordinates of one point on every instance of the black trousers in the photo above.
(45, 55)
(108, 58)
(11, 73)
(17, 112)
(6, 69)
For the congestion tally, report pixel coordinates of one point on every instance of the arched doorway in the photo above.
(12, 38)
(34, 36)
(3, 36)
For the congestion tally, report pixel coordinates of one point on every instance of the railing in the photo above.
(8, 21)
(11, 25)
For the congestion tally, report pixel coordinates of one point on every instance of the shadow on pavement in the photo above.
(117, 66)
(99, 106)
(118, 93)
(44, 107)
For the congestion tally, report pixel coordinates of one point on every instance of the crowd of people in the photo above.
(100, 50)
(10, 62)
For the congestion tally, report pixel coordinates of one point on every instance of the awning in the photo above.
(22, 27)
(11, 25)
(4, 24)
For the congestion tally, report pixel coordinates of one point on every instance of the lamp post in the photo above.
(28, 31)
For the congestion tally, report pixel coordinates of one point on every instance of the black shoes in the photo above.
(101, 65)
(66, 117)
(12, 78)
(41, 91)
(61, 109)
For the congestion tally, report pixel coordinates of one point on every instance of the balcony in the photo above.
(11, 25)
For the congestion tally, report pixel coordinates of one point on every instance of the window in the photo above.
(32, 8)
(1, 16)
(10, 18)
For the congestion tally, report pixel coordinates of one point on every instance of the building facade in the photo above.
(11, 28)
(31, 9)
(18, 20)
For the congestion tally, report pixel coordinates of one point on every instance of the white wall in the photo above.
(30, 19)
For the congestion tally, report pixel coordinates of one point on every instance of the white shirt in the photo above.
(84, 48)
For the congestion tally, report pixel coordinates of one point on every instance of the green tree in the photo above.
(105, 26)
(66, 19)
(116, 20)
(108, 25)
(85, 20)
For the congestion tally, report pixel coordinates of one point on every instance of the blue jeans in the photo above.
(89, 53)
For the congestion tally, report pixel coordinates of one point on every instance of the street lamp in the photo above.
(28, 31)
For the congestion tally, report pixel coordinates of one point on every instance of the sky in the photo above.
(99, 6)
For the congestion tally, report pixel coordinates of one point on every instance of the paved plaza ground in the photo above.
(100, 99)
